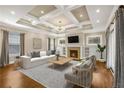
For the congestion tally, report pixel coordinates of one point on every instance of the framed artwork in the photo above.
(94, 40)
(37, 43)
(61, 41)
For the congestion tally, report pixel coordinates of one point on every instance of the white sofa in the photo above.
(28, 62)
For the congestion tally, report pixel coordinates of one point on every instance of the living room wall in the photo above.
(82, 42)
(29, 41)
(93, 48)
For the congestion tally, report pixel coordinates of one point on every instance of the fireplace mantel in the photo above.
(74, 52)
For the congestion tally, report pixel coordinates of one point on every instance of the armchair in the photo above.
(82, 74)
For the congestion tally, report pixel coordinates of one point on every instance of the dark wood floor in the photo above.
(102, 77)
(11, 78)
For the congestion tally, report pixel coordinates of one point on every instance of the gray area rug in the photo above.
(49, 76)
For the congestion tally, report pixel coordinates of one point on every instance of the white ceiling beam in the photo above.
(51, 14)
(85, 22)
(71, 25)
(73, 7)
(71, 17)
(68, 14)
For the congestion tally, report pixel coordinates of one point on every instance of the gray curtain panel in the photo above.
(1, 37)
(107, 44)
(49, 43)
(54, 44)
(5, 49)
(119, 65)
(22, 42)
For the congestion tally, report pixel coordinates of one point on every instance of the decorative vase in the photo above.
(57, 57)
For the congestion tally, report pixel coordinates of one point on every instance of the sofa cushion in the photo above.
(42, 53)
(53, 52)
(41, 58)
(48, 53)
(28, 54)
(35, 54)
(85, 64)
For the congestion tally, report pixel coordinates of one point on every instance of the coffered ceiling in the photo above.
(57, 18)
(80, 14)
(41, 10)
(60, 20)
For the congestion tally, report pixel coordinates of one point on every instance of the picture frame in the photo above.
(37, 43)
(61, 41)
(94, 40)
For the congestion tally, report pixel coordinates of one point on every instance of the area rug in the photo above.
(49, 76)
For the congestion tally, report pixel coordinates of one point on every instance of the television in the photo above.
(73, 39)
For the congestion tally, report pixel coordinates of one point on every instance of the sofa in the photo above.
(29, 61)
(82, 73)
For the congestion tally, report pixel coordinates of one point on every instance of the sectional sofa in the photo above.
(29, 61)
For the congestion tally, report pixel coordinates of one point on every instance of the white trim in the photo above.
(87, 38)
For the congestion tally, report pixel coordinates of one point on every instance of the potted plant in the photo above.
(100, 49)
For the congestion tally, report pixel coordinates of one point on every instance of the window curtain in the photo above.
(5, 49)
(22, 42)
(107, 46)
(119, 65)
(1, 38)
(48, 43)
(54, 44)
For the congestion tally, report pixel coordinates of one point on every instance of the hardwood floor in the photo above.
(102, 77)
(11, 78)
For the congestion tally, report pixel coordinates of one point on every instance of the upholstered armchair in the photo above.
(82, 74)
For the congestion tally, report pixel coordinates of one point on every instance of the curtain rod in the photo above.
(121, 6)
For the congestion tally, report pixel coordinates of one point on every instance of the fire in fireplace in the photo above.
(74, 53)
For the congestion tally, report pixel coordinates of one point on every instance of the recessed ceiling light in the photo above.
(42, 12)
(81, 15)
(97, 21)
(12, 12)
(98, 10)
(33, 22)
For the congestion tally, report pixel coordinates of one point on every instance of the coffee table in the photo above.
(61, 61)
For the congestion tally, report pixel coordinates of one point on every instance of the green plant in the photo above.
(100, 49)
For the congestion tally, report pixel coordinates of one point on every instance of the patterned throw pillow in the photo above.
(48, 53)
(35, 54)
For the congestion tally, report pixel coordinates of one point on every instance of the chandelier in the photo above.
(60, 28)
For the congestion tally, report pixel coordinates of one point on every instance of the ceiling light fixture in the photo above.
(12, 12)
(42, 12)
(33, 22)
(98, 21)
(81, 15)
(59, 21)
(98, 10)
(60, 28)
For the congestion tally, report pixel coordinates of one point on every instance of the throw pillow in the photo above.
(48, 53)
(28, 54)
(53, 52)
(74, 71)
(35, 54)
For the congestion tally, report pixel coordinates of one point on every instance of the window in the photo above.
(111, 49)
(51, 44)
(14, 45)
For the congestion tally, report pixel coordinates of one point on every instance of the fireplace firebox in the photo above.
(74, 52)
